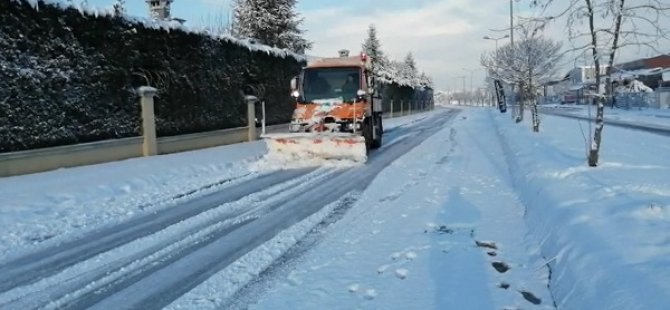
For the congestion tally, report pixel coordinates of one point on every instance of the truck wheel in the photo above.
(367, 134)
(377, 143)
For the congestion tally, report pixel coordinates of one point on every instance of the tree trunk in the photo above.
(536, 116)
(597, 135)
(520, 111)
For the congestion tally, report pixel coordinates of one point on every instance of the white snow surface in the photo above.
(603, 229)
(410, 240)
(595, 236)
(479, 216)
(50, 207)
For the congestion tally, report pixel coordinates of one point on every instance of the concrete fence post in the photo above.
(149, 146)
(391, 108)
(251, 116)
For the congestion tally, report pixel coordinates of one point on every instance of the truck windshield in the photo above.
(331, 83)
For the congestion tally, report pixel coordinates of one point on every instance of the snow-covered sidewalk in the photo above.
(39, 207)
(604, 230)
(440, 228)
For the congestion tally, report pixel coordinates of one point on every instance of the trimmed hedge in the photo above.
(68, 77)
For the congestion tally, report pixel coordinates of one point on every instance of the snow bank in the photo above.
(602, 229)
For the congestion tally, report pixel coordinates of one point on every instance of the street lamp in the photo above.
(471, 72)
(463, 93)
(496, 39)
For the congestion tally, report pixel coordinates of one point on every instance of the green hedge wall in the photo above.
(68, 77)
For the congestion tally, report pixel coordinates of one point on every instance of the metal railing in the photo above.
(628, 101)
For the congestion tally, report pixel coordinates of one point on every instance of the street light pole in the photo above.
(472, 71)
(496, 39)
(511, 22)
(463, 92)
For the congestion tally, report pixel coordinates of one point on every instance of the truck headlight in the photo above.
(294, 127)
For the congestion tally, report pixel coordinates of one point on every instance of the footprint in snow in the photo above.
(382, 269)
(410, 255)
(504, 285)
(401, 273)
(354, 288)
(500, 267)
(370, 294)
(530, 297)
(486, 244)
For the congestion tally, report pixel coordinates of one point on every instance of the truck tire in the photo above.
(377, 143)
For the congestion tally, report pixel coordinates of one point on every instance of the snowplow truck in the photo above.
(336, 116)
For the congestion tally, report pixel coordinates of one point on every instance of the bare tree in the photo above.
(528, 64)
(611, 26)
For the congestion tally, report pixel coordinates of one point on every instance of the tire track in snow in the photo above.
(45, 262)
(125, 257)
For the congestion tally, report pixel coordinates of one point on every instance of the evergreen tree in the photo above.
(272, 22)
(120, 7)
(410, 64)
(372, 47)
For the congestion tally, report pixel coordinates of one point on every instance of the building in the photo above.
(160, 10)
(649, 71)
(575, 85)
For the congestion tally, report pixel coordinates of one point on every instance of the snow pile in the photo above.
(299, 150)
(601, 229)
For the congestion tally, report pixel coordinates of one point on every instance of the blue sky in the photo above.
(445, 36)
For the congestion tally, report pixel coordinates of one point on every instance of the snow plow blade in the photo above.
(327, 146)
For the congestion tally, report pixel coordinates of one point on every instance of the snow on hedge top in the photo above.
(396, 72)
(167, 26)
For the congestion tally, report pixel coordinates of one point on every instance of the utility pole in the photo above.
(471, 91)
(511, 22)
(463, 91)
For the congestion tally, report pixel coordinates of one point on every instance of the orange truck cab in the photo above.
(337, 95)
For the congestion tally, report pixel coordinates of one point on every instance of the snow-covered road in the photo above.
(459, 209)
(440, 228)
(154, 258)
